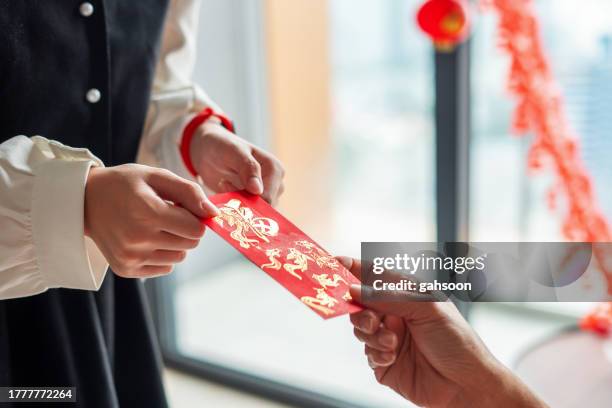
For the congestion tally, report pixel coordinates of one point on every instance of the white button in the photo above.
(86, 9)
(93, 95)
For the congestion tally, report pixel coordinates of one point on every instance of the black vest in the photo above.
(51, 54)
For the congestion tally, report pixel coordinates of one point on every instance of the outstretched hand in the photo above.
(429, 354)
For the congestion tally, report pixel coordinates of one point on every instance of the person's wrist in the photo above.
(496, 385)
(199, 138)
(196, 144)
(475, 384)
(95, 173)
(484, 385)
(197, 129)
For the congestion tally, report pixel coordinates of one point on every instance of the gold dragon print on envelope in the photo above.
(299, 262)
(272, 254)
(321, 302)
(318, 255)
(326, 282)
(284, 252)
(244, 223)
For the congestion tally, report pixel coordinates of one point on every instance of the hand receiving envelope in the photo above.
(284, 252)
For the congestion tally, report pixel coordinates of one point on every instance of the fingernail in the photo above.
(255, 186)
(386, 358)
(345, 261)
(365, 323)
(387, 340)
(356, 287)
(371, 362)
(209, 208)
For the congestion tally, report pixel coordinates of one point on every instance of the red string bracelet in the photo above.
(190, 129)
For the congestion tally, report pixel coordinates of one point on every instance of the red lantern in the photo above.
(445, 21)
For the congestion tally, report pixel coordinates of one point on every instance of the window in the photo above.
(354, 128)
(343, 92)
(578, 41)
(506, 203)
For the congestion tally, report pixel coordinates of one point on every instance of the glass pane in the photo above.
(380, 179)
(383, 126)
(507, 204)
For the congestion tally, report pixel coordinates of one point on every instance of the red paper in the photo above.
(284, 252)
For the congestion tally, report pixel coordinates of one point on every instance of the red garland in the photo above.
(599, 320)
(540, 111)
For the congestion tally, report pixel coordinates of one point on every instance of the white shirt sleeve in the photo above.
(175, 98)
(42, 241)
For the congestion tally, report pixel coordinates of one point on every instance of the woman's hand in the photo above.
(227, 162)
(131, 215)
(429, 354)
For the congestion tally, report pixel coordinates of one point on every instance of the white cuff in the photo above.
(170, 154)
(66, 258)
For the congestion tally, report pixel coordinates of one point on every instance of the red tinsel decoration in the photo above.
(599, 321)
(540, 111)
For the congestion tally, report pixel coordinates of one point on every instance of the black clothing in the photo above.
(51, 55)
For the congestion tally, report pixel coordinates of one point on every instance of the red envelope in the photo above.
(284, 252)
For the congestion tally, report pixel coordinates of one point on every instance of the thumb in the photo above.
(249, 172)
(182, 192)
(408, 305)
(352, 264)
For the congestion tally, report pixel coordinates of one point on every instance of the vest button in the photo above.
(86, 9)
(93, 95)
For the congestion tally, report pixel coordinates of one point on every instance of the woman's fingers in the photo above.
(185, 193)
(151, 271)
(272, 173)
(240, 159)
(164, 257)
(179, 221)
(168, 241)
(226, 186)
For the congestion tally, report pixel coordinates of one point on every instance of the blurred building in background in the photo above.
(588, 94)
